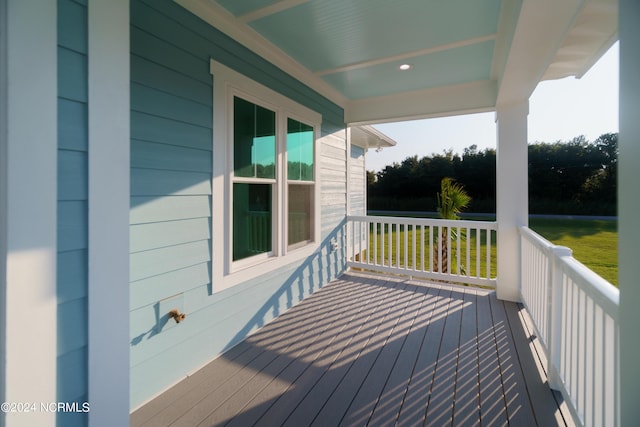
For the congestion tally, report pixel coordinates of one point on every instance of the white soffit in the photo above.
(554, 39)
(594, 31)
(370, 137)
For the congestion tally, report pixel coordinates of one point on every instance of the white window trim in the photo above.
(226, 273)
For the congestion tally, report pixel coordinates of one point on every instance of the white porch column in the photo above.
(28, 206)
(629, 211)
(512, 194)
(108, 212)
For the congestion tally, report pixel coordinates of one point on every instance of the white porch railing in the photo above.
(575, 313)
(456, 251)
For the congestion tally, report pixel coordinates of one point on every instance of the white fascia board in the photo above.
(29, 208)
(541, 29)
(465, 98)
(108, 275)
(219, 18)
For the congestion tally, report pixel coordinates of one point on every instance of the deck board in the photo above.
(372, 350)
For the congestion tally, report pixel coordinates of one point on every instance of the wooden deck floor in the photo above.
(373, 350)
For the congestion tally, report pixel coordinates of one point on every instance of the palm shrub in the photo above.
(452, 199)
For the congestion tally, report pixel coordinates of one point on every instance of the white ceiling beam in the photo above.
(509, 11)
(541, 29)
(270, 10)
(407, 55)
(224, 21)
(465, 98)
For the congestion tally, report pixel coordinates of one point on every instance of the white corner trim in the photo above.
(30, 191)
(109, 135)
(222, 20)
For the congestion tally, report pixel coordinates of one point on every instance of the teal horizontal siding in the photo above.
(70, 319)
(158, 261)
(72, 75)
(69, 365)
(171, 200)
(169, 157)
(72, 25)
(72, 275)
(158, 76)
(162, 104)
(71, 165)
(72, 225)
(169, 208)
(154, 49)
(158, 182)
(152, 289)
(145, 127)
(72, 212)
(71, 136)
(168, 233)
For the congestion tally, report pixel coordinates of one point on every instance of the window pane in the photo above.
(300, 213)
(251, 220)
(299, 151)
(254, 140)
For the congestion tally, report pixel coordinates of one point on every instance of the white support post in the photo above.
(108, 212)
(512, 195)
(628, 211)
(28, 189)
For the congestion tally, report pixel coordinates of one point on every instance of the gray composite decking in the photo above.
(378, 351)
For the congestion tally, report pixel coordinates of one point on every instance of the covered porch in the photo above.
(415, 333)
(97, 249)
(375, 350)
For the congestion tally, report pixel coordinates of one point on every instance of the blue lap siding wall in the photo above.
(171, 200)
(72, 208)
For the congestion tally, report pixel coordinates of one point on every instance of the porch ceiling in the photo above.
(464, 56)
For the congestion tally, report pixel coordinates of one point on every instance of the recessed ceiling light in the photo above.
(405, 67)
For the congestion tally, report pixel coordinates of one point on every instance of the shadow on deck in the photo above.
(374, 350)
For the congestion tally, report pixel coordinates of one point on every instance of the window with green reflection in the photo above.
(300, 151)
(252, 213)
(254, 140)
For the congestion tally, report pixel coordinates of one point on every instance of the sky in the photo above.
(559, 110)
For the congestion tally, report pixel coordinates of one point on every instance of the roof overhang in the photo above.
(465, 56)
(370, 137)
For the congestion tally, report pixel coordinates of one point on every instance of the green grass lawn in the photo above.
(469, 266)
(594, 243)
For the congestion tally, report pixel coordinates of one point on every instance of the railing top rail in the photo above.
(489, 225)
(597, 287)
(535, 238)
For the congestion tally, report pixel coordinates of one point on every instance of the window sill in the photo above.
(241, 274)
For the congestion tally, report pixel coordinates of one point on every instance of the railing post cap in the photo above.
(562, 251)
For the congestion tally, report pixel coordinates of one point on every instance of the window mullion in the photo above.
(281, 144)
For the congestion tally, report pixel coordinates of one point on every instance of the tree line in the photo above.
(565, 177)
